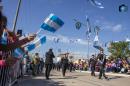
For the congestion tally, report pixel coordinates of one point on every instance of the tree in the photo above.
(119, 50)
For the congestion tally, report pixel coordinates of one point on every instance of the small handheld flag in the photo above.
(35, 44)
(4, 37)
(52, 23)
(18, 53)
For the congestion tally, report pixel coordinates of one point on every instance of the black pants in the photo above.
(102, 72)
(64, 67)
(70, 68)
(48, 70)
(93, 71)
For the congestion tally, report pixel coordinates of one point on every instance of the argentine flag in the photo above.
(4, 37)
(96, 43)
(52, 23)
(18, 53)
(36, 43)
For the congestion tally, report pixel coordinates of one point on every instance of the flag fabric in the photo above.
(96, 29)
(18, 53)
(4, 37)
(88, 27)
(96, 43)
(96, 3)
(36, 43)
(52, 23)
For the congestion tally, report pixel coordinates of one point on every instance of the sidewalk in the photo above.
(111, 74)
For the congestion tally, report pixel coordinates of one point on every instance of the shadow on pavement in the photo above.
(115, 77)
(66, 77)
(39, 82)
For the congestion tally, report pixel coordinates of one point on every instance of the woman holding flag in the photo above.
(8, 43)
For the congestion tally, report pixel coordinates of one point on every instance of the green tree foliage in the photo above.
(119, 50)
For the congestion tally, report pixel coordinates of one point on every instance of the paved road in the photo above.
(73, 79)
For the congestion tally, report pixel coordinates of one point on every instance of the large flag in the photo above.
(52, 23)
(18, 53)
(36, 43)
(96, 43)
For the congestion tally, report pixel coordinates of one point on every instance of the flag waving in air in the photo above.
(96, 43)
(4, 37)
(36, 43)
(88, 27)
(18, 53)
(52, 23)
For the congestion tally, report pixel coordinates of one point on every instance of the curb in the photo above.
(112, 74)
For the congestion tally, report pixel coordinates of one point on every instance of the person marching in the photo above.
(49, 62)
(64, 62)
(92, 64)
(102, 60)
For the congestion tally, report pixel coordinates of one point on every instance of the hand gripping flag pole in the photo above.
(51, 24)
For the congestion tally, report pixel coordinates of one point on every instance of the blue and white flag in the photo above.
(52, 23)
(36, 43)
(18, 53)
(96, 43)
(4, 37)
(88, 27)
(96, 3)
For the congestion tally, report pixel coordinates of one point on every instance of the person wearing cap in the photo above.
(102, 60)
(49, 62)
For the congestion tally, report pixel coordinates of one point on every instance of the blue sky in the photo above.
(114, 24)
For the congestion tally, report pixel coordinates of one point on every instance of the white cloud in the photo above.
(117, 28)
(107, 25)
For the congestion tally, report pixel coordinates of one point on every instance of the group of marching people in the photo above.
(63, 64)
(101, 59)
(107, 65)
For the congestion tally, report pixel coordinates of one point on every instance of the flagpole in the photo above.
(88, 48)
(16, 16)
(88, 34)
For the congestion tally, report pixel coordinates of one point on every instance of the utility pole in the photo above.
(16, 16)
